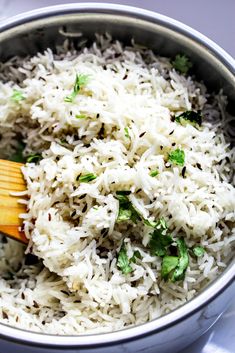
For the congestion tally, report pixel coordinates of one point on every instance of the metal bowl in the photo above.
(34, 31)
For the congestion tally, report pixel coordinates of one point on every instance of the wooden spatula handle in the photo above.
(11, 180)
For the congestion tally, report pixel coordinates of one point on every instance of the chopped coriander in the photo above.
(18, 155)
(122, 196)
(126, 210)
(86, 178)
(123, 262)
(17, 96)
(182, 63)
(70, 98)
(123, 192)
(180, 270)
(198, 251)
(174, 267)
(189, 116)
(81, 116)
(127, 135)
(150, 223)
(154, 173)
(169, 263)
(156, 224)
(160, 239)
(136, 255)
(80, 81)
(124, 214)
(162, 223)
(34, 158)
(177, 157)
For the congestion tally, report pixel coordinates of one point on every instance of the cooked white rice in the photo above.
(78, 287)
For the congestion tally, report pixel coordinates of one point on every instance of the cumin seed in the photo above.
(199, 166)
(142, 134)
(104, 231)
(82, 196)
(73, 213)
(4, 315)
(183, 171)
(84, 208)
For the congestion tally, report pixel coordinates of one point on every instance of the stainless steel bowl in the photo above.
(34, 31)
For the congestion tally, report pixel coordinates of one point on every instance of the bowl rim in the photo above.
(212, 290)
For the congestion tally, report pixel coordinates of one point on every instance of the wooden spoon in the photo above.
(11, 180)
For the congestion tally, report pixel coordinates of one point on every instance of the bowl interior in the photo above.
(165, 37)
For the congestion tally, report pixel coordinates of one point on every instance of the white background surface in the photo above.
(215, 19)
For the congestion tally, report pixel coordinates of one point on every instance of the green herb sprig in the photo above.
(160, 240)
(182, 63)
(177, 157)
(174, 267)
(80, 116)
(189, 116)
(154, 173)
(80, 81)
(123, 262)
(17, 96)
(136, 255)
(86, 178)
(126, 210)
(198, 251)
(34, 158)
(126, 130)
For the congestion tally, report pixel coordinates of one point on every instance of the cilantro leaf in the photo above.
(169, 263)
(177, 157)
(174, 267)
(126, 210)
(190, 116)
(198, 251)
(123, 262)
(17, 96)
(181, 268)
(18, 155)
(70, 98)
(135, 216)
(136, 255)
(80, 116)
(123, 193)
(124, 214)
(127, 135)
(150, 223)
(160, 223)
(160, 240)
(86, 178)
(122, 196)
(80, 81)
(182, 63)
(34, 158)
(154, 173)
